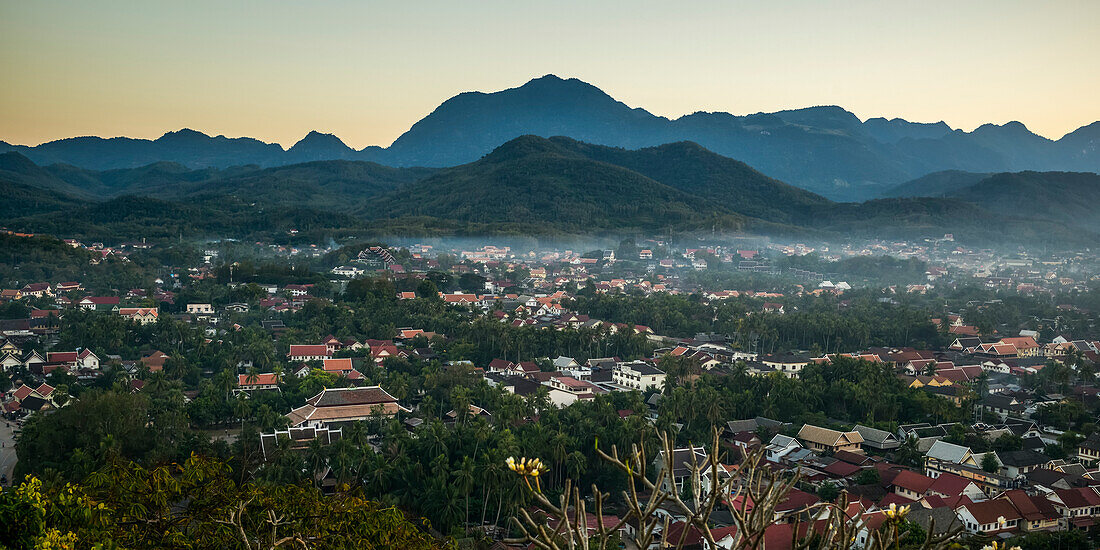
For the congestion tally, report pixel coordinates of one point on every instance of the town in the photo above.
(958, 384)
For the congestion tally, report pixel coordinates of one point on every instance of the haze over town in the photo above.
(729, 275)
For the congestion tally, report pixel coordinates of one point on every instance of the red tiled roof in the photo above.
(894, 498)
(841, 469)
(62, 356)
(913, 481)
(987, 511)
(315, 350)
(949, 485)
(22, 392)
(1078, 498)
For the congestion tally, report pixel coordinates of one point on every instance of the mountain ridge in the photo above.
(825, 149)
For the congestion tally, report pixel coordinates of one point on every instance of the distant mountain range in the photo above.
(531, 186)
(827, 150)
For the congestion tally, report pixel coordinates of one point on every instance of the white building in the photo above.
(637, 376)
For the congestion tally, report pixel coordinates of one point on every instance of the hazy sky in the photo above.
(367, 70)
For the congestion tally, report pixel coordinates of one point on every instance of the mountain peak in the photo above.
(316, 140)
(523, 146)
(184, 134)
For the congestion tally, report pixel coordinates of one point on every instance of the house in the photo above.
(313, 352)
(36, 290)
(500, 365)
(951, 487)
(1078, 506)
(342, 367)
(911, 485)
(348, 271)
(10, 361)
(947, 458)
(345, 405)
(1037, 512)
(562, 362)
(142, 315)
(772, 307)
(1003, 405)
(949, 452)
(824, 439)
(566, 390)
(877, 439)
(788, 364)
(1025, 346)
(780, 446)
(1017, 463)
(989, 517)
(155, 361)
(638, 376)
(474, 411)
(98, 303)
(1088, 451)
(683, 462)
(86, 359)
(264, 381)
(200, 309)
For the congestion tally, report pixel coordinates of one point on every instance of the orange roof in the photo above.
(264, 379)
(338, 365)
(1020, 342)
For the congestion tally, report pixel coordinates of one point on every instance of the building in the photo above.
(143, 315)
(788, 364)
(566, 390)
(823, 439)
(637, 376)
(264, 381)
(345, 405)
(317, 352)
(298, 439)
(877, 439)
(1089, 450)
(200, 309)
(989, 517)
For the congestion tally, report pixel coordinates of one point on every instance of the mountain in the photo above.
(28, 189)
(1064, 197)
(824, 149)
(318, 146)
(536, 185)
(1068, 197)
(187, 147)
(693, 169)
(471, 124)
(936, 184)
(348, 187)
(897, 129)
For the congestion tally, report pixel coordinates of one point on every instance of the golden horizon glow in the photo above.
(366, 71)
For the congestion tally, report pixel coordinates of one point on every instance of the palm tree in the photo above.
(242, 409)
(464, 482)
(315, 458)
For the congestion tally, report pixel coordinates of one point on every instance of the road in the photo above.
(7, 452)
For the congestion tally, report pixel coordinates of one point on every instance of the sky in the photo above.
(367, 70)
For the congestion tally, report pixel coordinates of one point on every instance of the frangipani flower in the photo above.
(895, 512)
(997, 545)
(528, 469)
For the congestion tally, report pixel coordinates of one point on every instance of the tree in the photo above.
(196, 505)
(427, 289)
(868, 476)
(990, 463)
(828, 492)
